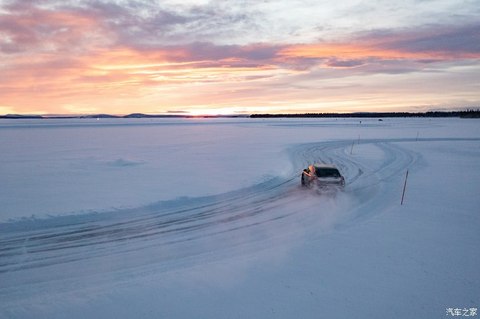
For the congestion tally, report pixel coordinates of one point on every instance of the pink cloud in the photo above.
(27, 28)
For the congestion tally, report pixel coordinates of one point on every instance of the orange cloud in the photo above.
(119, 78)
(363, 51)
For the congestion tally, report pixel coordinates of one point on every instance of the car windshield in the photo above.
(327, 172)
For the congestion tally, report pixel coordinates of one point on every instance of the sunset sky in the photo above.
(229, 57)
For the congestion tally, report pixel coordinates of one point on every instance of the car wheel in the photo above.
(304, 182)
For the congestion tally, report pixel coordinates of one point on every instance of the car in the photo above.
(322, 175)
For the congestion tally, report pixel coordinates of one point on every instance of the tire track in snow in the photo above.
(174, 231)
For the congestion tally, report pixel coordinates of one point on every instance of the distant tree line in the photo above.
(463, 114)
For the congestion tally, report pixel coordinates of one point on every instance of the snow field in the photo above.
(249, 242)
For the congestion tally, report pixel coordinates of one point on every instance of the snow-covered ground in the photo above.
(205, 218)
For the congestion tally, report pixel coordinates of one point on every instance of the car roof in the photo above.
(322, 165)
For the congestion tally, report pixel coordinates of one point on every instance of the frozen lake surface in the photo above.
(205, 218)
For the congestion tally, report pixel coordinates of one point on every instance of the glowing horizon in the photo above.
(128, 57)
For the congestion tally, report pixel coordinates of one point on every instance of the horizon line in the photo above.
(473, 110)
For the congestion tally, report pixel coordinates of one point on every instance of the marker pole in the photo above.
(404, 187)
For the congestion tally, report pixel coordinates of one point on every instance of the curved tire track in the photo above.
(174, 232)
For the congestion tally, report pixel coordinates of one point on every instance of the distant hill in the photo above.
(98, 116)
(19, 116)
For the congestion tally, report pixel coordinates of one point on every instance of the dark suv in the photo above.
(322, 175)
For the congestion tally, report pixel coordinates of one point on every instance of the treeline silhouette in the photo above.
(463, 114)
